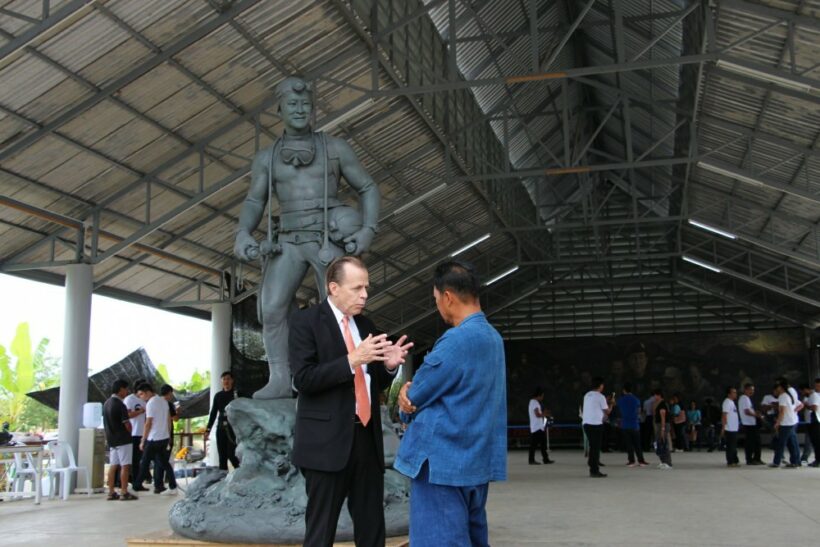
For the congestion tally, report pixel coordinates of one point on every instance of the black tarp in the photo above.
(134, 366)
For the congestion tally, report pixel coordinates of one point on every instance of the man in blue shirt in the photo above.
(456, 442)
(630, 406)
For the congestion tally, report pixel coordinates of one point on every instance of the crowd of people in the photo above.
(138, 426)
(664, 424)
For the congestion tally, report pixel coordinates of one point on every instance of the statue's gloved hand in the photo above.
(362, 239)
(245, 247)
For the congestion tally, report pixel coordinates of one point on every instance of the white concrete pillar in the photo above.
(76, 338)
(221, 332)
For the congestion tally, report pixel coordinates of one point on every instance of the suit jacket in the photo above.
(326, 407)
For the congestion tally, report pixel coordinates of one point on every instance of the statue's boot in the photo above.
(278, 386)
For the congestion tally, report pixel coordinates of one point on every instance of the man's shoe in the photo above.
(534, 463)
(139, 489)
(791, 466)
(631, 464)
(597, 475)
(732, 465)
(159, 490)
(170, 492)
(773, 465)
(548, 461)
(815, 463)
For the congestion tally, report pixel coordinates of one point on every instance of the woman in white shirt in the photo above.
(785, 425)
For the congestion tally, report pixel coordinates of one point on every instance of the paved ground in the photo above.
(700, 502)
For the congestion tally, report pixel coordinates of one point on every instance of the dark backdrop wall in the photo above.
(698, 365)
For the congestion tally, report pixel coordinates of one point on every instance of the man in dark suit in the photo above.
(340, 362)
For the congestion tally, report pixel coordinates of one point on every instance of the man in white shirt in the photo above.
(156, 440)
(730, 426)
(749, 417)
(785, 425)
(595, 409)
(812, 403)
(538, 437)
(792, 444)
(136, 414)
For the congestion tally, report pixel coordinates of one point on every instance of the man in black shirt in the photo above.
(662, 427)
(225, 439)
(118, 436)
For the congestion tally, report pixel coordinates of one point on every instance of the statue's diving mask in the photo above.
(297, 152)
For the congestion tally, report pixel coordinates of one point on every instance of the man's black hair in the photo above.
(145, 386)
(747, 385)
(729, 390)
(596, 382)
(137, 383)
(458, 277)
(537, 391)
(226, 373)
(165, 389)
(117, 385)
(628, 387)
(657, 391)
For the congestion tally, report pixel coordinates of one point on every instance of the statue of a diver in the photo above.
(302, 169)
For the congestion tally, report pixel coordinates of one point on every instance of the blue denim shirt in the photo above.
(460, 425)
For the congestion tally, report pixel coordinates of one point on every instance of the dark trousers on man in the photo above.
(632, 442)
(731, 447)
(538, 439)
(814, 435)
(226, 447)
(752, 444)
(159, 453)
(361, 482)
(595, 435)
(136, 458)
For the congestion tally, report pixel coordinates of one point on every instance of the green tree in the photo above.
(31, 369)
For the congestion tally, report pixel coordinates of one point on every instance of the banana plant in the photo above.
(17, 380)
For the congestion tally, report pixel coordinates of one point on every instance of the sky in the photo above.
(117, 328)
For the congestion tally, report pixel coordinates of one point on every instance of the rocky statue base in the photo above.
(264, 500)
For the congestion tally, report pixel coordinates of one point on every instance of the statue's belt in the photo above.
(298, 205)
(300, 236)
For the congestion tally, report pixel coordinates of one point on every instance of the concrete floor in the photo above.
(699, 502)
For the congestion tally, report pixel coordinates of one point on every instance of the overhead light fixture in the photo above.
(502, 275)
(702, 264)
(712, 229)
(346, 115)
(470, 245)
(421, 198)
(764, 76)
(730, 173)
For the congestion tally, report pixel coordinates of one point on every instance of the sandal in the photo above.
(113, 496)
(128, 496)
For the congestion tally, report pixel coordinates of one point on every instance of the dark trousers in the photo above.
(361, 482)
(158, 452)
(538, 439)
(136, 458)
(632, 442)
(814, 435)
(731, 447)
(752, 444)
(226, 449)
(595, 435)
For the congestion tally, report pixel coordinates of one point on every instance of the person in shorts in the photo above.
(118, 436)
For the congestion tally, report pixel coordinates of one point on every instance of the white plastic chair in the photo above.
(21, 471)
(60, 455)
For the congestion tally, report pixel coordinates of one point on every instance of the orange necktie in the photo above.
(359, 383)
